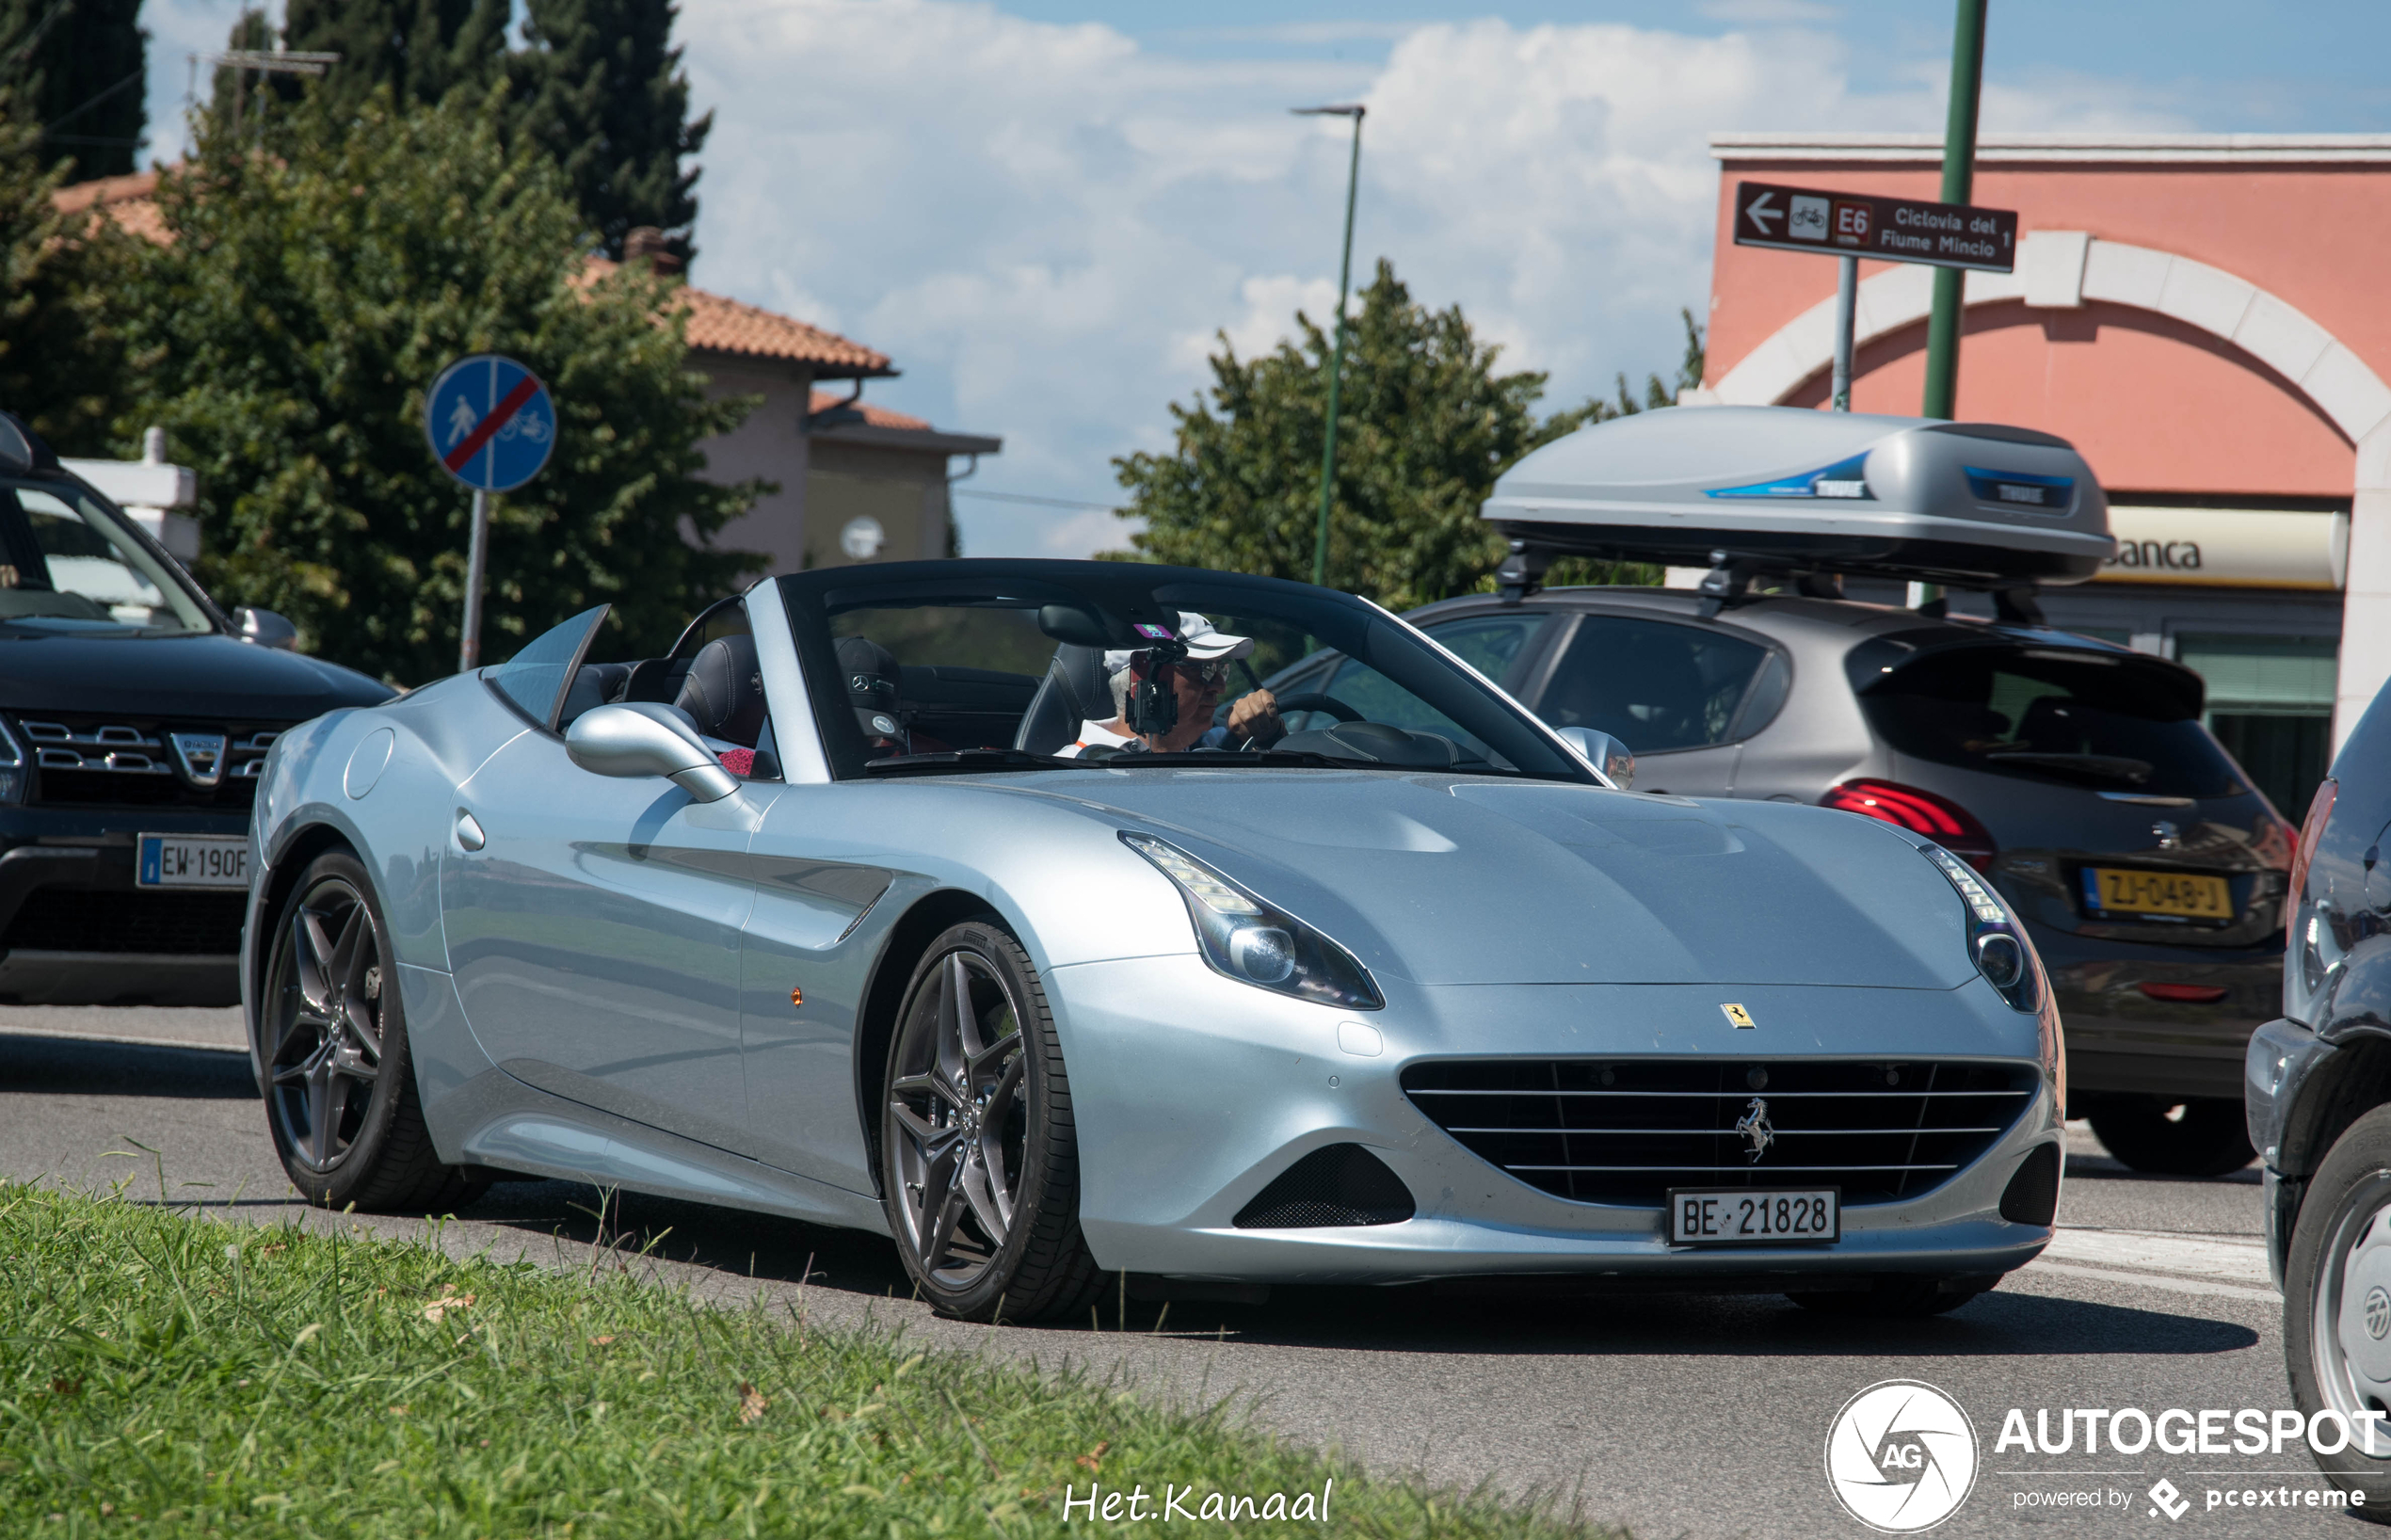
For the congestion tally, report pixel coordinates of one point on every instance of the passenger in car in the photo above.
(1196, 680)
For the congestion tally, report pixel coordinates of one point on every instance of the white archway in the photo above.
(2063, 269)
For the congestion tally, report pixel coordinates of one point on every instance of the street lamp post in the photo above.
(1337, 348)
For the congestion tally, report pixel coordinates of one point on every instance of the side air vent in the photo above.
(2032, 1194)
(1343, 1184)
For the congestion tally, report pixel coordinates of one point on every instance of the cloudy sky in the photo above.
(1047, 210)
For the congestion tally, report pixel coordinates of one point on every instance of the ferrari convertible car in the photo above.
(907, 897)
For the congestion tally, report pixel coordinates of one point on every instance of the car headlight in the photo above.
(1996, 940)
(16, 766)
(1255, 943)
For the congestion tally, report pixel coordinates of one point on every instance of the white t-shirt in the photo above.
(1094, 735)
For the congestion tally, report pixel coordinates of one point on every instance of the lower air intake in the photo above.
(1343, 1184)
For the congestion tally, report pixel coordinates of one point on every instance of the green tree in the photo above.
(599, 87)
(286, 337)
(1426, 426)
(76, 67)
(417, 50)
(61, 360)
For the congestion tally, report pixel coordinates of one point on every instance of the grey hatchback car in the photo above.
(2075, 774)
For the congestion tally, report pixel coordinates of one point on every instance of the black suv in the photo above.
(134, 718)
(2319, 1090)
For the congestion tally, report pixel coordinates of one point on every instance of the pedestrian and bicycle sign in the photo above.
(491, 422)
(1844, 224)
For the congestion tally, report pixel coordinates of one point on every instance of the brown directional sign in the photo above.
(1844, 224)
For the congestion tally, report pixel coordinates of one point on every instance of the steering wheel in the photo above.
(1308, 701)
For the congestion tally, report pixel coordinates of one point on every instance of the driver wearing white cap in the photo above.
(1146, 718)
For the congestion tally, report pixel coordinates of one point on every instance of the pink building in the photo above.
(2203, 316)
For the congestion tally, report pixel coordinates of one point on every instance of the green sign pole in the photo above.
(1337, 348)
(1959, 181)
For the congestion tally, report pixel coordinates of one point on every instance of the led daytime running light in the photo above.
(1986, 909)
(1996, 943)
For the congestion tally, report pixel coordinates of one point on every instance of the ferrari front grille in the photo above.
(1626, 1131)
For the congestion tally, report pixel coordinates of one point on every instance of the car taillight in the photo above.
(2311, 831)
(1939, 818)
(2183, 994)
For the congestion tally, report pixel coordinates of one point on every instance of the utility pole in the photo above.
(1959, 186)
(1337, 348)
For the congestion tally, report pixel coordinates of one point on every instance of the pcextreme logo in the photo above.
(1900, 1456)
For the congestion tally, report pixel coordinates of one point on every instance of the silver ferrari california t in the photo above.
(931, 899)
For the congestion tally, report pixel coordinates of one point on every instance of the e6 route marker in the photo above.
(1842, 224)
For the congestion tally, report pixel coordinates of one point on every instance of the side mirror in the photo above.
(1604, 752)
(646, 739)
(264, 628)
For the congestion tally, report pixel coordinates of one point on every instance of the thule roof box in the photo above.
(1747, 490)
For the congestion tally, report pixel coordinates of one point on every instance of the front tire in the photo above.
(979, 1157)
(339, 1081)
(2172, 1137)
(2337, 1304)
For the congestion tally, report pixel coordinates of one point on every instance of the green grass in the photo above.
(162, 1373)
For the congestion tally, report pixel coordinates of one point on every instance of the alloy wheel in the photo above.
(2349, 1331)
(326, 1024)
(958, 1120)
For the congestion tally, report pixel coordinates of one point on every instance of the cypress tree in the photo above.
(76, 67)
(598, 87)
(421, 50)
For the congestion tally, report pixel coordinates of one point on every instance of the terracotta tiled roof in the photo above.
(721, 325)
(717, 324)
(131, 201)
(864, 412)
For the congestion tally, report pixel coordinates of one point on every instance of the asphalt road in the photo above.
(1675, 1416)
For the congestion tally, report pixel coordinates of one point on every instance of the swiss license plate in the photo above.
(1748, 1217)
(193, 860)
(2180, 895)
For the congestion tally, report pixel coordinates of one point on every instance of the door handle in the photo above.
(469, 831)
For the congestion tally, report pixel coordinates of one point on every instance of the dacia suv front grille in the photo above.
(1626, 1131)
(131, 762)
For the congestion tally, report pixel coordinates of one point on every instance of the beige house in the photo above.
(857, 481)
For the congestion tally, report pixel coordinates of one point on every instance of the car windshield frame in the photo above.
(148, 562)
(1126, 594)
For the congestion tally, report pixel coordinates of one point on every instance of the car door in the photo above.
(594, 923)
(1671, 691)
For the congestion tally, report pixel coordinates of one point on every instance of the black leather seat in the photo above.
(724, 691)
(595, 685)
(1075, 690)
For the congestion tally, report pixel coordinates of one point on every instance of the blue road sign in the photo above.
(491, 422)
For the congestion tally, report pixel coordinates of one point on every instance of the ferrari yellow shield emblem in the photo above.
(1737, 1016)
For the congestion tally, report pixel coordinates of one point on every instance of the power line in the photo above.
(1041, 502)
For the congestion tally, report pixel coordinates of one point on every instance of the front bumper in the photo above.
(1192, 1092)
(60, 947)
(2280, 1056)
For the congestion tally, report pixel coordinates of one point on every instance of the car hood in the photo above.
(1473, 880)
(179, 676)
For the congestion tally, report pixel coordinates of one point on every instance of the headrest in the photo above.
(724, 692)
(871, 678)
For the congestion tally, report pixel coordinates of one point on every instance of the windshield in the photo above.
(2110, 722)
(68, 562)
(920, 667)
